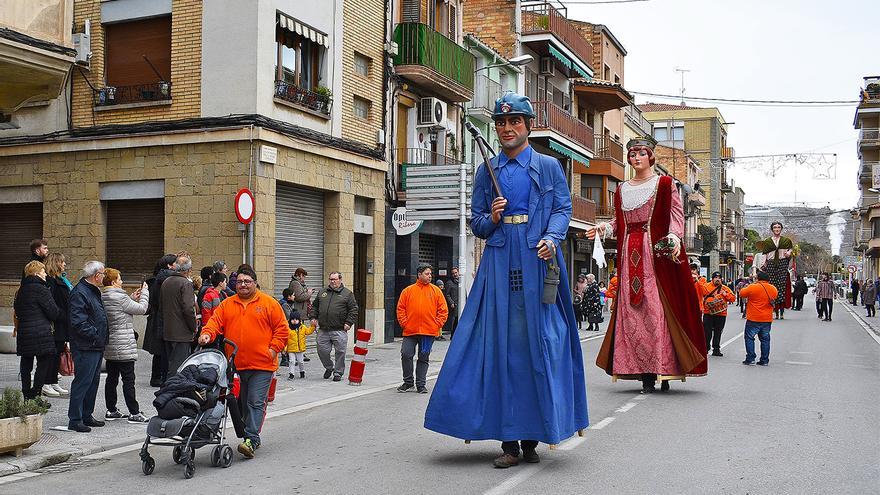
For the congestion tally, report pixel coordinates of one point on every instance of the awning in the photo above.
(565, 150)
(580, 71)
(302, 29)
(559, 56)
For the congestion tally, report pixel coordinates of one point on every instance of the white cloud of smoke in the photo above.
(835, 227)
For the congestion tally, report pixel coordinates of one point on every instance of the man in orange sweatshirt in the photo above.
(421, 312)
(714, 299)
(759, 317)
(256, 323)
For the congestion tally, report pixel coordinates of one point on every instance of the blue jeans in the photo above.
(85, 385)
(762, 330)
(253, 392)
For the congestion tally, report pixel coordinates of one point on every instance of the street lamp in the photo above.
(513, 62)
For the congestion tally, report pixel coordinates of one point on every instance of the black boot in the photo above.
(648, 381)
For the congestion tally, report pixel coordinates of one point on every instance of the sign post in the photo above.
(245, 208)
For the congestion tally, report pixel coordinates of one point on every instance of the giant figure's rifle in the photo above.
(551, 279)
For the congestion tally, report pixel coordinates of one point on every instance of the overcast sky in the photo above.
(758, 49)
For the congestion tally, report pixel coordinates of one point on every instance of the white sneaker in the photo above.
(59, 389)
(48, 391)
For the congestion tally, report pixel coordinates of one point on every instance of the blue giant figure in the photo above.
(515, 371)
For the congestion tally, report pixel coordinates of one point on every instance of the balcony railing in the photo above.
(869, 136)
(871, 94)
(726, 218)
(545, 18)
(694, 244)
(418, 157)
(607, 147)
(304, 98)
(419, 44)
(726, 187)
(141, 93)
(583, 209)
(635, 117)
(861, 238)
(550, 116)
(486, 91)
(604, 211)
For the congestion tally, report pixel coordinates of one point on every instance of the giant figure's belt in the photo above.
(516, 219)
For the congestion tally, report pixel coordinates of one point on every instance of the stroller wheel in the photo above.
(216, 454)
(176, 454)
(226, 456)
(189, 469)
(148, 465)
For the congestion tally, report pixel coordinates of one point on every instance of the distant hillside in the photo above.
(803, 224)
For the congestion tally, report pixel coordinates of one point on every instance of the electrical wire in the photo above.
(742, 101)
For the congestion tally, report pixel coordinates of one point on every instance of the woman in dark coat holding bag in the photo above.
(60, 288)
(592, 305)
(35, 309)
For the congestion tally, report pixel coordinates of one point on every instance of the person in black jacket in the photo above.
(89, 335)
(153, 342)
(35, 310)
(800, 290)
(60, 287)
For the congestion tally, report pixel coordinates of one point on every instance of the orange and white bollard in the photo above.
(358, 361)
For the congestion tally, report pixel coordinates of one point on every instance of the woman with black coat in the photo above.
(36, 310)
(60, 287)
(153, 341)
(592, 305)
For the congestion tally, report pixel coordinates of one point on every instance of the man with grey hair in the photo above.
(88, 335)
(333, 313)
(178, 313)
(220, 266)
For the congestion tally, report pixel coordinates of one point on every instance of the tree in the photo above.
(709, 237)
(752, 237)
(813, 258)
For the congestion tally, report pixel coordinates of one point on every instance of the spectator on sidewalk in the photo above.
(421, 312)
(121, 351)
(869, 298)
(60, 286)
(798, 293)
(178, 314)
(39, 252)
(333, 313)
(88, 338)
(213, 296)
(153, 342)
(759, 318)
(715, 298)
(855, 286)
(451, 293)
(36, 310)
(221, 267)
(592, 305)
(255, 322)
(205, 275)
(611, 293)
(302, 296)
(825, 296)
(296, 344)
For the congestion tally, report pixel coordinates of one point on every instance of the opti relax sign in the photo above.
(403, 226)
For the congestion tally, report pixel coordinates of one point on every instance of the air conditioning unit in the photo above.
(548, 68)
(432, 112)
(82, 42)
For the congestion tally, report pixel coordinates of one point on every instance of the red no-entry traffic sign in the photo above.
(245, 206)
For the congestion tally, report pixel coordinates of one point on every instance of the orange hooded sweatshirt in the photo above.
(422, 310)
(255, 326)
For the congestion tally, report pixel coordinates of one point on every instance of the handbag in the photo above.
(714, 302)
(65, 363)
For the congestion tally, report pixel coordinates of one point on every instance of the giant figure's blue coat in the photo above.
(514, 370)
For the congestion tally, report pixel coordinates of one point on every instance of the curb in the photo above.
(53, 457)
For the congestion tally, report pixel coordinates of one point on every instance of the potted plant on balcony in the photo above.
(323, 96)
(21, 421)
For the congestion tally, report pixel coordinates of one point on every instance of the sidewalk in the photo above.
(382, 369)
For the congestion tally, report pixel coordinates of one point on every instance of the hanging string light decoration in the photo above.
(822, 166)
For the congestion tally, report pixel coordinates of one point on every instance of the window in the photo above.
(607, 73)
(300, 60)
(362, 108)
(127, 43)
(135, 236)
(362, 65)
(17, 237)
(591, 188)
(665, 132)
(616, 79)
(661, 134)
(678, 133)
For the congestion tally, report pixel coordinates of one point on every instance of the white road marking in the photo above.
(738, 336)
(18, 477)
(525, 472)
(571, 443)
(799, 352)
(862, 323)
(854, 355)
(861, 366)
(602, 424)
(799, 363)
(594, 337)
(626, 407)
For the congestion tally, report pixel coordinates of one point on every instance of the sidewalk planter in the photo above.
(17, 434)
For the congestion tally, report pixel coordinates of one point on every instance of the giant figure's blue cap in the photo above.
(511, 103)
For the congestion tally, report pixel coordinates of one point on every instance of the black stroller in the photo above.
(203, 414)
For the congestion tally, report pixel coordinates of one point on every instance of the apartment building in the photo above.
(686, 171)
(174, 106)
(867, 122)
(702, 134)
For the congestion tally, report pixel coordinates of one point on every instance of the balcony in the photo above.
(871, 94)
(133, 96)
(693, 245)
(728, 153)
(607, 160)
(726, 218)
(543, 19)
(417, 157)
(319, 104)
(583, 209)
(866, 171)
(551, 117)
(635, 119)
(608, 148)
(604, 212)
(869, 138)
(434, 61)
(601, 96)
(36, 51)
(726, 187)
(486, 91)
